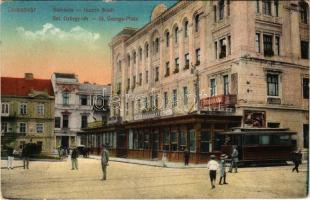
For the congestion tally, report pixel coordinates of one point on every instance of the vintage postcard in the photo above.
(111, 99)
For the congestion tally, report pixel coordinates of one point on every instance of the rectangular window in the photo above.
(139, 104)
(176, 70)
(23, 109)
(175, 98)
(185, 96)
(214, 11)
(257, 6)
(167, 69)
(221, 9)
(303, 9)
(40, 109)
(22, 127)
(65, 98)
(166, 99)
(198, 56)
(146, 76)
(182, 140)
(222, 48)
(140, 79)
(229, 45)
(276, 7)
(277, 45)
(215, 49)
(305, 86)
(40, 127)
(145, 103)
(147, 51)
(306, 135)
(304, 47)
(268, 51)
(272, 85)
(192, 140)
(83, 100)
(186, 61)
(84, 121)
(174, 140)
(65, 121)
(4, 127)
(273, 125)
(212, 87)
(204, 141)
(57, 122)
(226, 85)
(257, 42)
(5, 108)
(264, 139)
(156, 73)
(267, 7)
(134, 82)
(128, 84)
(166, 143)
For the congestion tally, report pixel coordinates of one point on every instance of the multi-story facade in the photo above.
(27, 112)
(245, 58)
(76, 105)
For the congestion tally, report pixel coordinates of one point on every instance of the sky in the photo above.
(42, 37)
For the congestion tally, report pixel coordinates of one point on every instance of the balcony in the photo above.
(273, 100)
(218, 102)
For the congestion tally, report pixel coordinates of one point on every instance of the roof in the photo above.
(64, 75)
(22, 87)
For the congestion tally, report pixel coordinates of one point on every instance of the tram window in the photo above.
(174, 141)
(204, 141)
(284, 139)
(166, 139)
(264, 139)
(251, 139)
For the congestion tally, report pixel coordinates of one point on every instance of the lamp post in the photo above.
(195, 72)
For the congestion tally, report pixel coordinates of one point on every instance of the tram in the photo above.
(258, 144)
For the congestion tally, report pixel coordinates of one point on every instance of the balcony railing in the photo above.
(219, 101)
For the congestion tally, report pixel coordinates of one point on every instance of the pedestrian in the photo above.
(234, 160)
(26, 154)
(186, 157)
(297, 157)
(223, 169)
(74, 159)
(104, 161)
(10, 153)
(213, 167)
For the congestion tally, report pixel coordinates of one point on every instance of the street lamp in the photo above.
(195, 72)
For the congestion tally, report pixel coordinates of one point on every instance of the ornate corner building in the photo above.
(236, 58)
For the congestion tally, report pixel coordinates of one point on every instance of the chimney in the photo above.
(29, 76)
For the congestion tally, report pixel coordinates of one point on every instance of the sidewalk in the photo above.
(155, 163)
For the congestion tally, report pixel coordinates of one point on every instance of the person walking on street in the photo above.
(234, 160)
(104, 161)
(74, 159)
(25, 155)
(186, 157)
(10, 152)
(297, 157)
(223, 169)
(213, 166)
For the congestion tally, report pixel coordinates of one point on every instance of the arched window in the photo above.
(157, 45)
(197, 18)
(186, 29)
(147, 50)
(128, 60)
(134, 57)
(303, 12)
(140, 53)
(176, 30)
(167, 39)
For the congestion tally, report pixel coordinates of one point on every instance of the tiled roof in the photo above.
(22, 87)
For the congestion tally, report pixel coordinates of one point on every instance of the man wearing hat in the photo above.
(223, 169)
(234, 160)
(74, 158)
(104, 161)
(212, 166)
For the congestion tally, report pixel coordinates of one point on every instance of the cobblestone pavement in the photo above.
(57, 180)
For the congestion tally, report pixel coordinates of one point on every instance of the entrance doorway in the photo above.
(65, 141)
(121, 145)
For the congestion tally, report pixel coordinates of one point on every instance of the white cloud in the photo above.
(51, 32)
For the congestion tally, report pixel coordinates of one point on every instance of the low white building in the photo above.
(76, 105)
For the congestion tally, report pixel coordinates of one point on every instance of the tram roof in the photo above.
(254, 131)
